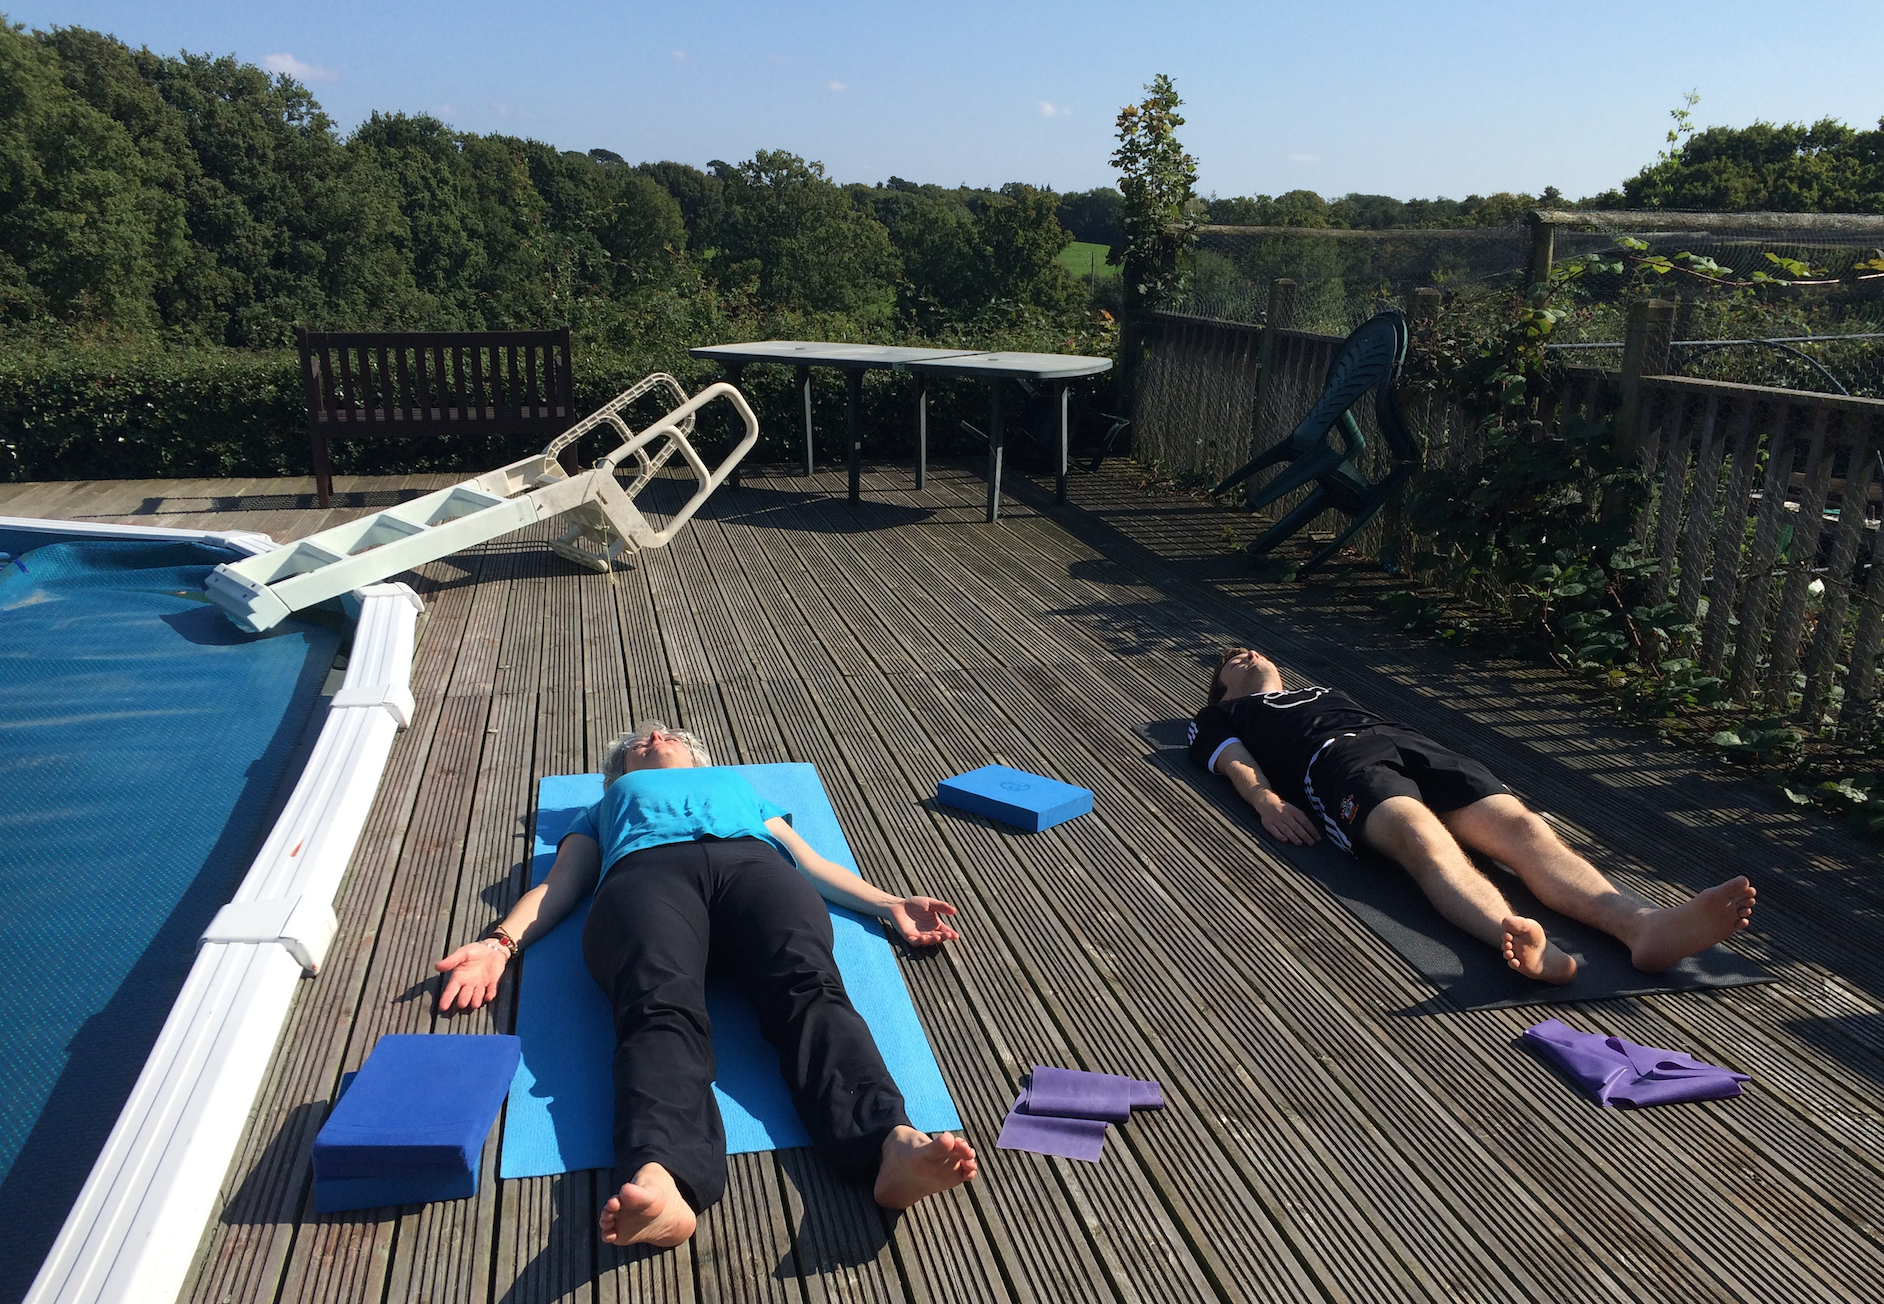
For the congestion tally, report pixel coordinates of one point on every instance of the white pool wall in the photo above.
(133, 1233)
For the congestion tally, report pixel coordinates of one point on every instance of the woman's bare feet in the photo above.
(916, 1166)
(1669, 936)
(1534, 955)
(647, 1211)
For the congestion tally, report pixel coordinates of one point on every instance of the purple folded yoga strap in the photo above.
(1618, 1072)
(1071, 1093)
(1064, 1112)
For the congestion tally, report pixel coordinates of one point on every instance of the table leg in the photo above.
(735, 428)
(804, 391)
(1059, 481)
(995, 442)
(853, 384)
(922, 431)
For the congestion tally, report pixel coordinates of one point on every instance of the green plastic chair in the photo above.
(1370, 358)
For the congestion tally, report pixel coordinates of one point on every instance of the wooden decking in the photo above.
(1334, 1133)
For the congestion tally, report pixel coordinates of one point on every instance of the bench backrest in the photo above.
(437, 382)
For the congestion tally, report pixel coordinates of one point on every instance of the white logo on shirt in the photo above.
(1302, 696)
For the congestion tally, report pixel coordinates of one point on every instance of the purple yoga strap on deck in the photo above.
(1069, 1138)
(1064, 1112)
(1618, 1072)
(1072, 1093)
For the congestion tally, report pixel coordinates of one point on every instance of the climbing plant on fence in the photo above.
(1538, 526)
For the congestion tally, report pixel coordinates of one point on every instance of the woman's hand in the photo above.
(475, 969)
(923, 920)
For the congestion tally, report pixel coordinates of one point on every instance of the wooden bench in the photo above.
(433, 383)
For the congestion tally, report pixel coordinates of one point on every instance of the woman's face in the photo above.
(660, 750)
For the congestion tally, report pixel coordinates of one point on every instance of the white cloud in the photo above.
(1054, 110)
(836, 86)
(681, 56)
(1304, 158)
(289, 66)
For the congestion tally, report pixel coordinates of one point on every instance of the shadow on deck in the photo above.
(1320, 1145)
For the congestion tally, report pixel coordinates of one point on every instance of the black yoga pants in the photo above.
(662, 919)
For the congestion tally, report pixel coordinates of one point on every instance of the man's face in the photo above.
(660, 750)
(1249, 671)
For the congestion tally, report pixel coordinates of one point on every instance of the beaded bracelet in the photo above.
(503, 939)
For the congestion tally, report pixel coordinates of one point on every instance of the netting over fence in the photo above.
(1821, 332)
(1343, 277)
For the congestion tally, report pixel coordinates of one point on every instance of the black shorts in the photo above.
(1354, 773)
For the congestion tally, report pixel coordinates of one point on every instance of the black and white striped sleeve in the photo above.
(1210, 733)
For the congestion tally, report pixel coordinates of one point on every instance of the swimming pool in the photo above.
(147, 751)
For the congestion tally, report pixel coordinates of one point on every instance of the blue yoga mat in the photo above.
(561, 1111)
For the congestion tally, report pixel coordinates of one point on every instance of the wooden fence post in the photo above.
(1281, 316)
(1543, 248)
(1644, 353)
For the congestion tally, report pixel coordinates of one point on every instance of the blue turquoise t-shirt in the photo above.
(650, 808)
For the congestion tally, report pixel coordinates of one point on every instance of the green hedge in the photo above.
(73, 408)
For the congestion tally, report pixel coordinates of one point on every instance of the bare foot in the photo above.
(1670, 935)
(1534, 955)
(916, 1166)
(647, 1211)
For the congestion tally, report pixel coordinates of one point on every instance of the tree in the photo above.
(1157, 179)
(699, 194)
(1093, 215)
(87, 226)
(1825, 168)
(799, 239)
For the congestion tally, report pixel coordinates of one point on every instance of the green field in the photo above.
(1083, 259)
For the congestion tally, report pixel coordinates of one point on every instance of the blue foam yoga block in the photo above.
(411, 1127)
(1027, 801)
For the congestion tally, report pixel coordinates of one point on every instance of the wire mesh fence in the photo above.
(1793, 301)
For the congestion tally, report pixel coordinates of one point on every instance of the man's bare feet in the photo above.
(647, 1211)
(1669, 936)
(1534, 955)
(916, 1166)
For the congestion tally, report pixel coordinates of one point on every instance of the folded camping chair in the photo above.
(1370, 358)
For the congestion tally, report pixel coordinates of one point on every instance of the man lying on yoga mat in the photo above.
(1422, 805)
(695, 881)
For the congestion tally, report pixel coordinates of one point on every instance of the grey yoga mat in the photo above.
(1472, 975)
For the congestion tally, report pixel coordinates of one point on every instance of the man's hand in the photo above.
(1286, 823)
(474, 971)
(922, 920)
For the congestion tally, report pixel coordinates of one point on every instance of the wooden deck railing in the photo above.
(1758, 494)
(1764, 522)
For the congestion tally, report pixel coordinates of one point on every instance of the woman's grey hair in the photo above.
(615, 760)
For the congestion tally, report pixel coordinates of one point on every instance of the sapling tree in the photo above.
(1157, 179)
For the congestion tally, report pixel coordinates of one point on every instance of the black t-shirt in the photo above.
(1282, 731)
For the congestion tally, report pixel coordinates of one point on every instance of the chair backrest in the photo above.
(1401, 441)
(437, 382)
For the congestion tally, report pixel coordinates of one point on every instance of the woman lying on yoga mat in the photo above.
(695, 881)
(1422, 805)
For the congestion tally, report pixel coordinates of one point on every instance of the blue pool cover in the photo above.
(142, 742)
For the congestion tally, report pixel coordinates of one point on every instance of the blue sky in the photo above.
(1402, 99)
